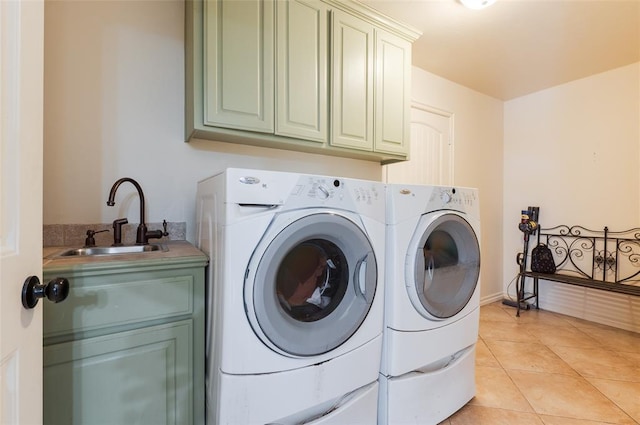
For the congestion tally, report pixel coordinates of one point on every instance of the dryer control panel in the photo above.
(321, 188)
(459, 199)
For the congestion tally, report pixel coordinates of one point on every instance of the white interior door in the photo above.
(431, 150)
(21, 124)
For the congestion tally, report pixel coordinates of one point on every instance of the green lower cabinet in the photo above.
(141, 376)
(127, 345)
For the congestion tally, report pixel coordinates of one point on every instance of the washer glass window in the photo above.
(312, 286)
(312, 280)
(447, 266)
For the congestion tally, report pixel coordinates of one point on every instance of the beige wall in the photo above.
(478, 160)
(573, 150)
(114, 107)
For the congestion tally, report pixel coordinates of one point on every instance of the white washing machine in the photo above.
(432, 303)
(295, 297)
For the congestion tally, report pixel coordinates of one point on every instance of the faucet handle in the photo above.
(164, 227)
(157, 234)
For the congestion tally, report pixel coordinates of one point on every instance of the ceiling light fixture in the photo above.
(477, 4)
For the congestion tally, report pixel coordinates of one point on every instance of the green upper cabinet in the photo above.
(318, 76)
(371, 87)
(239, 56)
(352, 82)
(265, 67)
(301, 70)
(392, 93)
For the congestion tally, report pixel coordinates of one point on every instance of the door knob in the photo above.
(55, 290)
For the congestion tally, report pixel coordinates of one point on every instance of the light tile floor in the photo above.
(545, 368)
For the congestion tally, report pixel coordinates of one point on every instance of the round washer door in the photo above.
(443, 265)
(311, 288)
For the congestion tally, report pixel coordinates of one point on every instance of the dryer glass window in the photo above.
(440, 250)
(448, 266)
(311, 280)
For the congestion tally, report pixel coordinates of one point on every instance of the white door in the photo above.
(21, 124)
(431, 151)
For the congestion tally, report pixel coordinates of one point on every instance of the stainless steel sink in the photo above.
(112, 250)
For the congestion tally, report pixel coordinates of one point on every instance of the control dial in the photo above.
(323, 192)
(445, 197)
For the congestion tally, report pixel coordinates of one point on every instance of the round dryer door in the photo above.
(444, 265)
(312, 286)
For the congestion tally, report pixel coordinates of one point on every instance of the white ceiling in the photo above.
(517, 47)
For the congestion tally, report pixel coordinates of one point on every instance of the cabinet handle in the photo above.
(55, 290)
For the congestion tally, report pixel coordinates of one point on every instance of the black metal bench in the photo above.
(598, 259)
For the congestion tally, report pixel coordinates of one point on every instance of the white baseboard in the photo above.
(488, 299)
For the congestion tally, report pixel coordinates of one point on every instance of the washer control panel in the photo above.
(316, 188)
(346, 194)
(290, 191)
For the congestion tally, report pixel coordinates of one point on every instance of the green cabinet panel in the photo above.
(127, 345)
(119, 299)
(301, 69)
(238, 51)
(141, 376)
(392, 93)
(352, 82)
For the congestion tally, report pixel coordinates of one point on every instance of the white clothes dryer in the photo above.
(295, 297)
(432, 303)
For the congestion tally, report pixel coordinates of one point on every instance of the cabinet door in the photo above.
(135, 377)
(352, 82)
(238, 64)
(392, 93)
(301, 69)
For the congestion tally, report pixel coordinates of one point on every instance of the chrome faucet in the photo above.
(142, 235)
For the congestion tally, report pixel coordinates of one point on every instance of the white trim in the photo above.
(488, 299)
